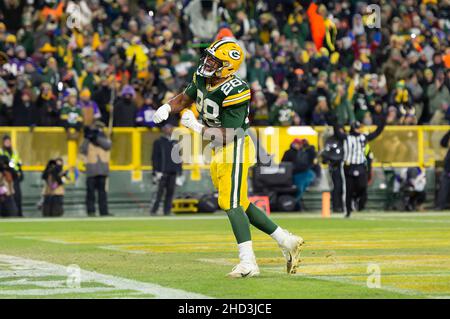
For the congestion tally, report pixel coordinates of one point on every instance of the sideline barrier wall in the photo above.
(397, 146)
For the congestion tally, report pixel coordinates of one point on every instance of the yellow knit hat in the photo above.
(85, 93)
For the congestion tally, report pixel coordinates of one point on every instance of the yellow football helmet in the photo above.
(221, 59)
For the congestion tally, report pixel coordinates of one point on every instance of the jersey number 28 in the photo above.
(209, 109)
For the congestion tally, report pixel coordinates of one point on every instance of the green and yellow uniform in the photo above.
(227, 106)
(282, 115)
(71, 116)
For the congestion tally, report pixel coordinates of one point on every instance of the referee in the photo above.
(355, 177)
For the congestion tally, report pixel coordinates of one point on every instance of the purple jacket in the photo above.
(144, 116)
(92, 104)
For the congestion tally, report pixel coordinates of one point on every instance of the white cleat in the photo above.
(244, 269)
(291, 249)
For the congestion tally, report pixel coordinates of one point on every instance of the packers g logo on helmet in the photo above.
(235, 54)
(222, 59)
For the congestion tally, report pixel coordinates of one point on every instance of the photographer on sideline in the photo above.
(16, 164)
(413, 181)
(7, 204)
(96, 148)
(53, 192)
(303, 156)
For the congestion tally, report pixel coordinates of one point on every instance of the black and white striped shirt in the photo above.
(354, 149)
(355, 144)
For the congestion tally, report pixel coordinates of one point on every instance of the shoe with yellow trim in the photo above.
(291, 248)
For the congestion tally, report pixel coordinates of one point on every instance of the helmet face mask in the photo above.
(210, 65)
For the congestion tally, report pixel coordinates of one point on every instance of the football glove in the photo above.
(157, 177)
(188, 120)
(162, 113)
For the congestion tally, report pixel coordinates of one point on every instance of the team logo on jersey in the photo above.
(234, 54)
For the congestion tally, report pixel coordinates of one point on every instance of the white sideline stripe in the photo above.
(34, 268)
(221, 215)
(108, 219)
(413, 220)
(57, 291)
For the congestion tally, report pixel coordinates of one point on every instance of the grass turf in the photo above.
(412, 252)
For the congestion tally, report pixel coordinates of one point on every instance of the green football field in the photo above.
(372, 255)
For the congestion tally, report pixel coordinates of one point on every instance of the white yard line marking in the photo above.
(344, 279)
(217, 261)
(22, 268)
(48, 240)
(122, 250)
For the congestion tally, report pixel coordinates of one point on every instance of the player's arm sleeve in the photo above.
(378, 131)
(237, 98)
(191, 89)
(235, 107)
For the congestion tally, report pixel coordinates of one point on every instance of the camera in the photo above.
(4, 163)
(54, 170)
(91, 133)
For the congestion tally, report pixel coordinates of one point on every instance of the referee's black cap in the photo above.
(355, 125)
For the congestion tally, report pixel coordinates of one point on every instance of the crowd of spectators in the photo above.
(74, 62)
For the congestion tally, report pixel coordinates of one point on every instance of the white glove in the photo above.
(162, 113)
(188, 119)
(157, 177)
(179, 181)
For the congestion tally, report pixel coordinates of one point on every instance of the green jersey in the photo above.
(225, 105)
(282, 115)
(71, 114)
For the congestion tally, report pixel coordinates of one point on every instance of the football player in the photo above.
(222, 100)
